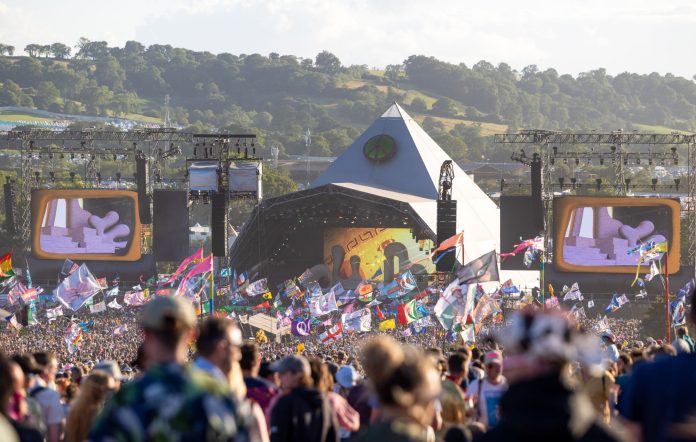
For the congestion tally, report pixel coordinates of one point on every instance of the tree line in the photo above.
(280, 96)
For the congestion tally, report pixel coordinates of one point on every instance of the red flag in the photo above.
(196, 257)
(380, 315)
(260, 306)
(453, 241)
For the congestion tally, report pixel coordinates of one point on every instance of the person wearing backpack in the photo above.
(48, 398)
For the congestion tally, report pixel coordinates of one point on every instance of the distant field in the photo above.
(658, 129)
(487, 129)
(21, 117)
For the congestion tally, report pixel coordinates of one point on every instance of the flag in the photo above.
(455, 305)
(263, 305)
(74, 291)
(205, 266)
(300, 327)
(400, 286)
(68, 267)
(6, 266)
(134, 298)
(653, 272)
(590, 303)
(389, 324)
(422, 323)
(196, 257)
(468, 334)
(314, 289)
(602, 325)
(98, 307)
(613, 305)
(358, 321)
(380, 315)
(573, 294)
(120, 330)
(623, 299)
(455, 242)
(377, 274)
(551, 290)
(242, 280)
(334, 332)
(677, 312)
(364, 291)
(52, 313)
(323, 305)
(305, 277)
(114, 304)
(485, 307)
(112, 292)
(407, 312)
(482, 269)
(226, 272)
(73, 337)
(257, 287)
(12, 321)
(291, 289)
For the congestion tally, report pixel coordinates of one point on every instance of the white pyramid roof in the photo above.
(414, 173)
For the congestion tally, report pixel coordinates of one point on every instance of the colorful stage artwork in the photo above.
(375, 253)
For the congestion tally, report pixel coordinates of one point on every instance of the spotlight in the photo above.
(573, 181)
(628, 183)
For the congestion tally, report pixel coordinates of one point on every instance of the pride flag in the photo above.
(6, 266)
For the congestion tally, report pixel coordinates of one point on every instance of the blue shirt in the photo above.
(661, 396)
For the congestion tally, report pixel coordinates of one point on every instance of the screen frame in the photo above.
(39, 203)
(564, 206)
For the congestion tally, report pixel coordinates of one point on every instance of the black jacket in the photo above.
(303, 415)
(546, 409)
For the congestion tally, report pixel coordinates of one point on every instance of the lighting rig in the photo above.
(618, 149)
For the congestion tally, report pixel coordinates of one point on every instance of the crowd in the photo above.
(172, 377)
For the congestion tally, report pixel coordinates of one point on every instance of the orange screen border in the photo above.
(39, 202)
(564, 206)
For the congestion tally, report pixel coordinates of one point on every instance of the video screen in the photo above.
(375, 253)
(608, 234)
(93, 224)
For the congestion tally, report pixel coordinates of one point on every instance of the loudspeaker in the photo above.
(142, 178)
(537, 202)
(218, 224)
(170, 241)
(446, 228)
(9, 208)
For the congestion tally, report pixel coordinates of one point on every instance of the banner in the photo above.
(112, 292)
(133, 298)
(400, 286)
(482, 269)
(335, 332)
(6, 266)
(120, 330)
(358, 321)
(98, 307)
(257, 287)
(454, 306)
(114, 304)
(73, 337)
(323, 305)
(407, 312)
(573, 293)
(52, 313)
(74, 291)
(389, 324)
(301, 327)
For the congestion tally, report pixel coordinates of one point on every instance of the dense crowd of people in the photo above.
(170, 376)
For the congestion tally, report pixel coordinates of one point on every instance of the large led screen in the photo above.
(375, 253)
(604, 234)
(89, 224)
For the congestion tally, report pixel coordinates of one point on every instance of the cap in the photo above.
(159, 311)
(111, 368)
(292, 363)
(609, 335)
(347, 376)
(494, 357)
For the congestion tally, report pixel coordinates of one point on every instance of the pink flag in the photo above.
(184, 264)
(204, 266)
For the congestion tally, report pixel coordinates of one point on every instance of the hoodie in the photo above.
(303, 415)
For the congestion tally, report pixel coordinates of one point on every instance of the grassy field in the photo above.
(10, 116)
(658, 129)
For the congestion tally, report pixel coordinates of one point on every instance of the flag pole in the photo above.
(211, 303)
(667, 323)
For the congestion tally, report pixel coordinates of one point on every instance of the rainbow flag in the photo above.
(6, 266)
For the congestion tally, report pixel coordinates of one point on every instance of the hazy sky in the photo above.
(569, 35)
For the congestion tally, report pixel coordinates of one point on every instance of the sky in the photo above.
(571, 36)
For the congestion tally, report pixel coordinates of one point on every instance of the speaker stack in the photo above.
(142, 178)
(218, 224)
(446, 228)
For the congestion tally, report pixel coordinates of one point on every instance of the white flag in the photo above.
(98, 307)
(623, 299)
(53, 313)
(322, 305)
(590, 303)
(114, 304)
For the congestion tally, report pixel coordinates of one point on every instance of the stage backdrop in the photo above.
(375, 253)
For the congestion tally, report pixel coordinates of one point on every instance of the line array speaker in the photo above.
(170, 227)
(446, 228)
(142, 178)
(218, 224)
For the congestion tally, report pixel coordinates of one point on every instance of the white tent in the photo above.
(412, 176)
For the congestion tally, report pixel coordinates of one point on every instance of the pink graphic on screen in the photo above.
(596, 238)
(71, 229)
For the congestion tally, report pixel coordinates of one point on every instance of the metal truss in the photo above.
(539, 137)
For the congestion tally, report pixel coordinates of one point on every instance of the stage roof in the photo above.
(412, 176)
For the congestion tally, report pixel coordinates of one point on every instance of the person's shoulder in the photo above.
(202, 382)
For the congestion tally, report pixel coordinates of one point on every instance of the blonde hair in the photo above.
(87, 404)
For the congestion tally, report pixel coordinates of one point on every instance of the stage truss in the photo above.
(619, 149)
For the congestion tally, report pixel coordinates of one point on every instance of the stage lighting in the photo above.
(654, 183)
(573, 181)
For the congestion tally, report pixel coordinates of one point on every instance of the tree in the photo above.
(277, 182)
(46, 50)
(46, 95)
(32, 49)
(445, 107)
(60, 51)
(419, 105)
(10, 50)
(327, 62)
(394, 72)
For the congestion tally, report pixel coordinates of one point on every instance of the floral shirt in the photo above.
(171, 403)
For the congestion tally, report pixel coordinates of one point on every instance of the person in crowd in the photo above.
(458, 367)
(303, 413)
(88, 403)
(31, 410)
(599, 386)
(171, 401)
(486, 393)
(348, 419)
(541, 403)
(660, 398)
(218, 345)
(407, 385)
(112, 370)
(7, 432)
(683, 334)
(258, 389)
(452, 398)
(17, 409)
(48, 398)
(611, 353)
(76, 374)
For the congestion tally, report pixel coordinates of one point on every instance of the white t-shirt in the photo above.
(489, 400)
(51, 408)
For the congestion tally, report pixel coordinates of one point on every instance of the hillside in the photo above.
(280, 96)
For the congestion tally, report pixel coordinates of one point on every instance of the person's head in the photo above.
(49, 365)
(6, 383)
(494, 366)
(268, 374)
(624, 363)
(293, 371)
(321, 378)
(543, 343)
(476, 354)
(458, 364)
(28, 365)
(76, 373)
(93, 392)
(112, 370)
(167, 323)
(347, 377)
(218, 341)
(95, 387)
(251, 359)
(438, 358)
(681, 332)
(608, 338)
(407, 383)
(341, 357)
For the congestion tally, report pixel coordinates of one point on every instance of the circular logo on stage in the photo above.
(380, 148)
